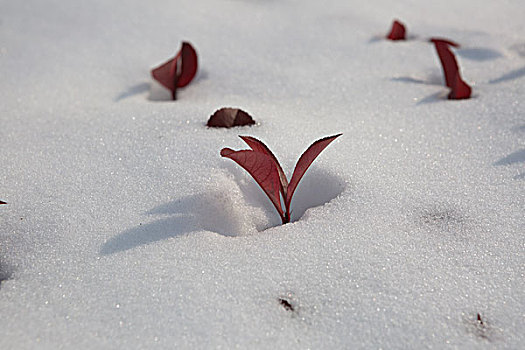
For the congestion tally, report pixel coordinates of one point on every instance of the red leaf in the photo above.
(304, 163)
(2, 202)
(398, 31)
(188, 65)
(263, 170)
(258, 146)
(228, 117)
(460, 89)
(178, 71)
(165, 74)
(447, 59)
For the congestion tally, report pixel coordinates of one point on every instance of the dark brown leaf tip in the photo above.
(479, 319)
(398, 31)
(2, 202)
(178, 71)
(229, 117)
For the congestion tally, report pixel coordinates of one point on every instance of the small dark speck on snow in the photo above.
(480, 328)
(286, 304)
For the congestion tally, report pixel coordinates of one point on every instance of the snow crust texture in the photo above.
(125, 229)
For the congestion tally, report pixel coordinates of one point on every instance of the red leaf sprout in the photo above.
(398, 31)
(178, 71)
(459, 88)
(264, 167)
(228, 117)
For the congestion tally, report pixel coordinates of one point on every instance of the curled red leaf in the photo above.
(178, 71)
(398, 31)
(264, 167)
(188, 64)
(459, 88)
(229, 117)
(263, 170)
(258, 146)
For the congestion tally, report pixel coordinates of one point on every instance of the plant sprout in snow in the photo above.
(263, 166)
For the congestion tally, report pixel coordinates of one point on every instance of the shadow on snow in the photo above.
(218, 212)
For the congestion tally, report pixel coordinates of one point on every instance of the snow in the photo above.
(125, 228)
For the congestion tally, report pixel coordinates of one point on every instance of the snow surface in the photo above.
(125, 228)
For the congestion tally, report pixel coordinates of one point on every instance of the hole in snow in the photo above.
(444, 219)
(316, 188)
(232, 206)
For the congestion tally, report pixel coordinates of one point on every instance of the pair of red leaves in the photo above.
(178, 71)
(265, 169)
(229, 117)
(459, 89)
